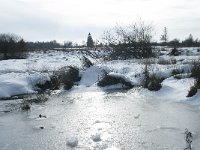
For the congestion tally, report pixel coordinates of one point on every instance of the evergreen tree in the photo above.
(90, 42)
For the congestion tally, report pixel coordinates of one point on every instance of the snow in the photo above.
(91, 75)
(19, 83)
(21, 75)
(72, 142)
(13, 88)
(99, 119)
(195, 100)
(173, 89)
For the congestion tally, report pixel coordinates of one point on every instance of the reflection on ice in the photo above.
(101, 121)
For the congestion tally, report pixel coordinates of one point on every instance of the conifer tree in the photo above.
(90, 42)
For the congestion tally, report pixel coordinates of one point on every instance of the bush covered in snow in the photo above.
(65, 76)
(153, 83)
(112, 79)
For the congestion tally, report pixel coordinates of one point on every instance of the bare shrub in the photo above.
(65, 76)
(133, 41)
(153, 83)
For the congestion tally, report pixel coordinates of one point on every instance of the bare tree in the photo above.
(131, 41)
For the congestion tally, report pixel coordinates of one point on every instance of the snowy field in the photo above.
(92, 118)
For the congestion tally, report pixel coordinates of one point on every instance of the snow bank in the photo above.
(172, 89)
(19, 83)
(8, 88)
(19, 76)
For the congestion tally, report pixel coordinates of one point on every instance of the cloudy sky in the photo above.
(42, 20)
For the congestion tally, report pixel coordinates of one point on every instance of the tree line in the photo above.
(188, 42)
(131, 41)
(11, 46)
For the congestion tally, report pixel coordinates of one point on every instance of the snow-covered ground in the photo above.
(89, 117)
(19, 76)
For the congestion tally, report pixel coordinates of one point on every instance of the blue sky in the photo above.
(42, 20)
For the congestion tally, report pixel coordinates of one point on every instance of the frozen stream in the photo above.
(100, 120)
